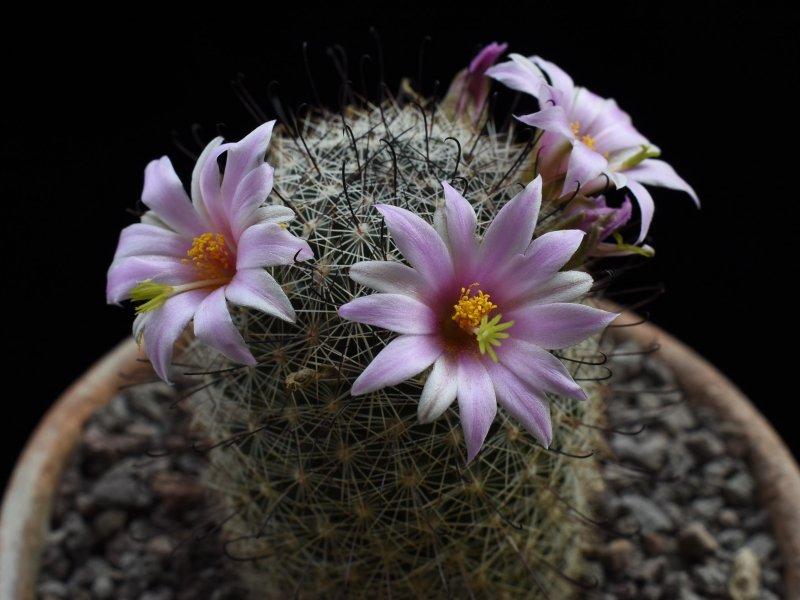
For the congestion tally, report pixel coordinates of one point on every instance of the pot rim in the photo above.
(25, 514)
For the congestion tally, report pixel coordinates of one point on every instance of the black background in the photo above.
(88, 106)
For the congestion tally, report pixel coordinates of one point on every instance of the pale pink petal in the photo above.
(211, 191)
(214, 327)
(274, 213)
(486, 58)
(585, 165)
(243, 157)
(561, 287)
(251, 192)
(389, 277)
(511, 230)
(163, 193)
(646, 206)
(267, 245)
(613, 130)
(197, 196)
(440, 389)
(656, 172)
(403, 358)
(558, 77)
(538, 368)
(164, 325)
(520, 74)
(550, 118)
(529, 406)
(150, 218)
(477, 406)
(460, 224)
(255, 288)
(125, 273)
(554, 326)
(141, 238)
(140, 323)
(551, 251)
(420, 245)
(395, 312)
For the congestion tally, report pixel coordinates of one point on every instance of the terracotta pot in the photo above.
(27, 502)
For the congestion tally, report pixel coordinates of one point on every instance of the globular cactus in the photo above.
(337, 455)
(329, 495)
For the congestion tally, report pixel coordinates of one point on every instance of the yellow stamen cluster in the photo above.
(211, 256)
(588, 140)
(471, 309)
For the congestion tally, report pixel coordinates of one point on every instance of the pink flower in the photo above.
(482, 313)
(188, 258)
(588, 141)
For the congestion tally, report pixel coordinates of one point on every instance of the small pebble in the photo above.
(756, 521)
(160, 545)
(771, 578)
(728, 518)
(657, 544)
(704, 445)
(695, 542)
(711, 578)
(731, 539)
(745, 581)
(103, 588)
(648, 571)
(108, 522)
(626, 590)
(616, 555)
(650, 591)
(117, 490)
(53, 589)
(676, 583)
(678, 419)
(650, 453)
(649, 515)
(719, 468)
(707, 508)
(762, 545)
(739, 490)
(159, 594)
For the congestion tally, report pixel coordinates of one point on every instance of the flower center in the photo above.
(471, 308)
(213, 261)
(472, 315)
(211, 256)
(587, 139)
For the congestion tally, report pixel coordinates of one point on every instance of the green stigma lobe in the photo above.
(490, 333)
(152, 295)
(647, 151)
(646, 252)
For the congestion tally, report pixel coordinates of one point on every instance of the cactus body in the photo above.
(328, 495)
